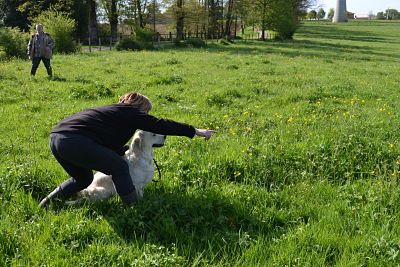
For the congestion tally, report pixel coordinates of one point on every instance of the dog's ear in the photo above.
(136, 144)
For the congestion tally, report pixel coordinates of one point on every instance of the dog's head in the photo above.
(145, 141)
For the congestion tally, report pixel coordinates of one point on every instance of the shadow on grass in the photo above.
(207, 222)
(340, 33)
(58, 78)
(308, 48)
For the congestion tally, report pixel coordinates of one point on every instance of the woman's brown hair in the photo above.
(137, 100)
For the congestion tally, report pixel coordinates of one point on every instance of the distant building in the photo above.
(363, 17)
(350, 15)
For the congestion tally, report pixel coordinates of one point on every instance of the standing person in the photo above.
(94, 139)
(40, 48)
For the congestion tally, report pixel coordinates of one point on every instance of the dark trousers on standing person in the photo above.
(79, 155)
(36, 62)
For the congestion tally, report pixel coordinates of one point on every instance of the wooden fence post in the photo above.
(90, 45)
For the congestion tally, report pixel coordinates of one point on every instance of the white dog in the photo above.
(140, 161)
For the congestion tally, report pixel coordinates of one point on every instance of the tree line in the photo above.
(220, 18)
(388, 14)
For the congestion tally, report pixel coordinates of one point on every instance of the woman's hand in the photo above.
(205, 133)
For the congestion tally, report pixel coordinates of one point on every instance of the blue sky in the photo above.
(362, 6)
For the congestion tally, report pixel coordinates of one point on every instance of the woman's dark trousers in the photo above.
(36, 62)
(79, 155)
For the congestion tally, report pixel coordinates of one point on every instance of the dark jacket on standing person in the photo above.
(41, 45)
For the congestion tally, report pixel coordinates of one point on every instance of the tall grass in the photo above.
(303, 170)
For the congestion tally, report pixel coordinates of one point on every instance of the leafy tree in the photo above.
(321, 13)
(195, 17)
(380, 15)
(331, 13)
(303, 14)
(244, 13)
(312, 14)
(11, 16)
(85, 15)
(215, 16)
(389, 14)
(138, 6)
(137, 13)
(180, 16)
(33, 8)
(61, 27)
(218, 16)
(92, 19)
(229, 17)
(262, 9)
(111, 8)
(82, 11)
(392, 14)
(152, 14)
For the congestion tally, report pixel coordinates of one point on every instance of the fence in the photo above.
(107, 42)
(102, 43)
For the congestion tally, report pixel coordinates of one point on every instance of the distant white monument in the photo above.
(340, 11)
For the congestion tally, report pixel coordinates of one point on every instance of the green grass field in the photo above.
(303, 171)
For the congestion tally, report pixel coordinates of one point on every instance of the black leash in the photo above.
(159, 172)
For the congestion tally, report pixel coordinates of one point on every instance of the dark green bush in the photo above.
(195, 42)
(104, 30)
(192, 42)
(128, 43)
(13, 42)
(144, 35)
(180, 43)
